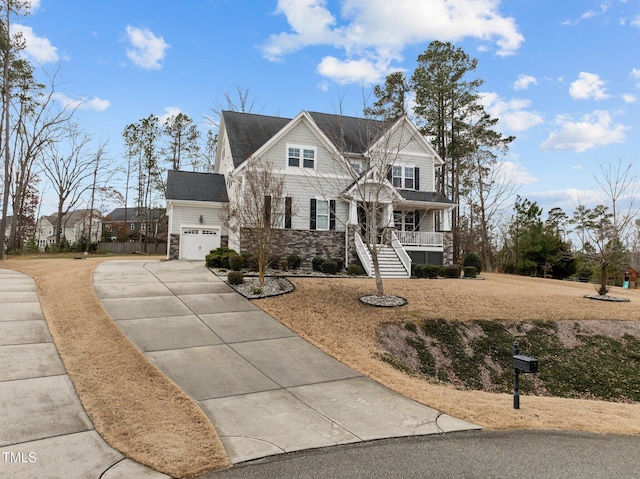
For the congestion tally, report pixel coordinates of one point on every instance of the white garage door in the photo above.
(195, 243)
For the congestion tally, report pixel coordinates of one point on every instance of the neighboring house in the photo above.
(195, 206)
(74, 227)
(323, 202)
(126, 224)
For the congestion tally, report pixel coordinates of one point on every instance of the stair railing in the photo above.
(401, 252)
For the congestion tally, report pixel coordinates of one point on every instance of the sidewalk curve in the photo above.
(266, 390)
(44, 431)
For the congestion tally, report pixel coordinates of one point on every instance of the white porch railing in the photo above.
(400, 251)
(420, 238)
(363, 254)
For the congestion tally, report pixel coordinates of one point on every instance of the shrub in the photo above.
(433, 271)
(294, 261)
(354, 270)
(235, 277)
(251, 262)
(316, 263)
(235, 262)
(274, 262)
(472, 259)
(329, 267)
(339, 262)
(284, 264)
(452, 271)
(219, 258)
(470, 272)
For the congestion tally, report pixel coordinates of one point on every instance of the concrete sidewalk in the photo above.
(266, 390)
(44, 431)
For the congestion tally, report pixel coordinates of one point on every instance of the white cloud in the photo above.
(628, 98)
(168, 112)
(352, 71)
(570, 198)
(34, 5)
(635, 74)
(593, 13)
(636, 21)
(375, 32)
(523, 82)
(38, 49)
(589, 132)
(95, 103)
(509, 172)
(146, 50)
(588, 85)
(512, 115)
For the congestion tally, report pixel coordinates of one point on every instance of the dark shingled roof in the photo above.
(247, 132)
(425, 196)
(192, 186)
(349, 134)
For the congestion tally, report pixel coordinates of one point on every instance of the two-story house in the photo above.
(74, 227)
(333, 168)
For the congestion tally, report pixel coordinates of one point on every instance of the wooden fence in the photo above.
(132, 247)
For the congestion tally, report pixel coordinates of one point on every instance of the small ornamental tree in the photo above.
(255, 211)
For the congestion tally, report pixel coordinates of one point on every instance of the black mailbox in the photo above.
(525, 364)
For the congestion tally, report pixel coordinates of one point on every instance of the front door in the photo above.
(370, 220)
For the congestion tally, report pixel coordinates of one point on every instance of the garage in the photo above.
(197, 242)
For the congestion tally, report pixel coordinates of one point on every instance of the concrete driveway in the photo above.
(266, 390)
(44, 431)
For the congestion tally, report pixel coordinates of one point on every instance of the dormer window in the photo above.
(301, 156)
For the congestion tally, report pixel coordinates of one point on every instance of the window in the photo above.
(308, 158)
(190, 232)
(406, 220)
(294, 156)
(403, 177)
(278, 212)
(322, 215)
(298, 156)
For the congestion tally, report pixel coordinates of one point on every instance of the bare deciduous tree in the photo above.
(605, 231)
(68, 165)
(256, 211)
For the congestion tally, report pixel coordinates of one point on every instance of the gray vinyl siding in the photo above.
(327, 181)
(184, 215)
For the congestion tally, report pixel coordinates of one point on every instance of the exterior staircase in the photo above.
(390, 264)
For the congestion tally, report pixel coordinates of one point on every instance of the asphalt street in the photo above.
(464, 455)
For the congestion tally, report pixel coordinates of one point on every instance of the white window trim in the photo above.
(318, 216)
(301, 158)
(278, 209)
(404, 177)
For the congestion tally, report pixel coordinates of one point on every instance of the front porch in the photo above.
(424, 239)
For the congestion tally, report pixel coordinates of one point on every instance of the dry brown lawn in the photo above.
(133, 406)
(329, 314)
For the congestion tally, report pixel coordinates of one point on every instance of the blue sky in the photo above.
(563, 77)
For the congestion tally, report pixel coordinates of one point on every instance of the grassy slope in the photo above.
(329, 314)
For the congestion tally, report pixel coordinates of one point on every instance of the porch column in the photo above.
(353, 213)
(388, 213)
(446, 220)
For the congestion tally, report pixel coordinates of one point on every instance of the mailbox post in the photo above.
(523, 364)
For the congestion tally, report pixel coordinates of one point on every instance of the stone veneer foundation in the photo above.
(304, 243)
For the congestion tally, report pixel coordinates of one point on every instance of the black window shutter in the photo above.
(416, 220)
(267, 210)
(312, 215)
(332, 214)
(416, 182)
(287, 212)
(389, 173)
